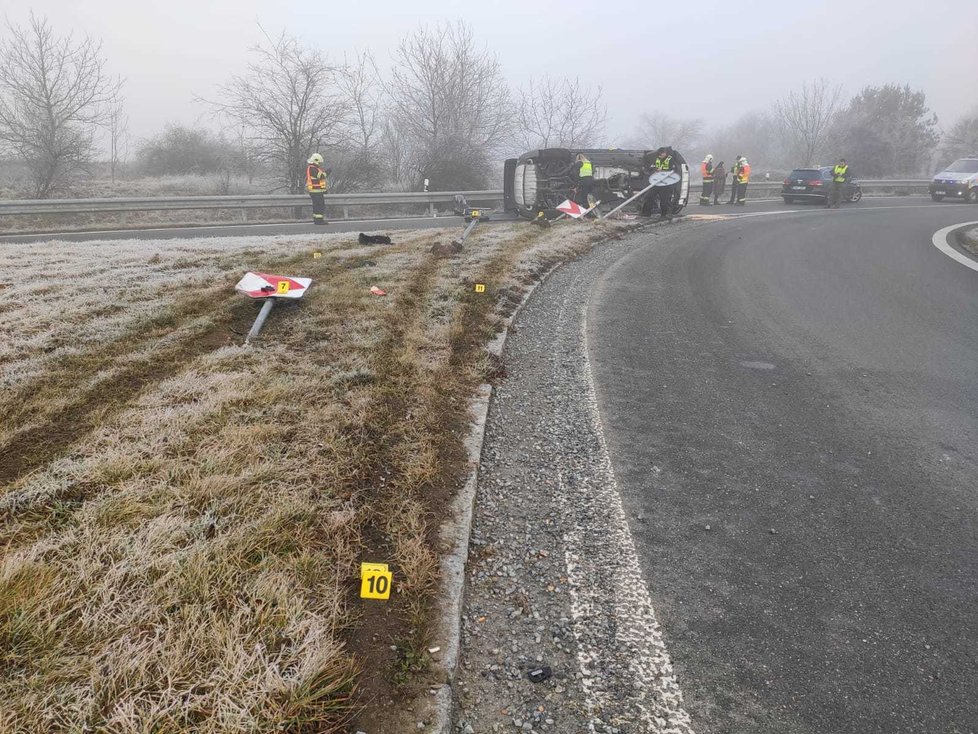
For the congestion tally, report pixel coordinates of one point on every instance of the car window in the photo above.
(803, 173)
(964, 165)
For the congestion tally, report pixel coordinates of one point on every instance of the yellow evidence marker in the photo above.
(480, 287)
(283, 286)
(316, 255)
(375, 581)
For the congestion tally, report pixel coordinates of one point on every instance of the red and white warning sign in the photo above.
(262, 285)
(572, 209)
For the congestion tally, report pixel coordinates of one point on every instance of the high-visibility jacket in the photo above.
(315, 179)
(743, 172)
(663, 164)
(587, 170)
(840, 173)
(706, 168)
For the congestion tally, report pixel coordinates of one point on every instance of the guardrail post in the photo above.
(431, 210)
(346, 212)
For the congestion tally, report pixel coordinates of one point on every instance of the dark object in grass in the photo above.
(374, 239)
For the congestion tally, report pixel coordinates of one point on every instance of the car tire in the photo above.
(972, 196)
(935, 197)
(855, 196)
(788, 199)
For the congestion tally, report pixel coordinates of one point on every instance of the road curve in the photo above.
(791, 409)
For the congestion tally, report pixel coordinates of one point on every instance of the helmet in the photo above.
(315, 159)
(709, 157)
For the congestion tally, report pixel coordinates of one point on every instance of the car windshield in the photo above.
(805, 173)
(964, 165)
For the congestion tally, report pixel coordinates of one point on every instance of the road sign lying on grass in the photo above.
(271, 288)
(263, 285)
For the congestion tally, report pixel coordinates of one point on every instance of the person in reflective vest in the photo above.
(706, 169)
(316, 187)
(661, 195)
(585, 180)
(741, 180)
(734, 178)
(840, 177)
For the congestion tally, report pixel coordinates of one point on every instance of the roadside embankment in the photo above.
(183, 517)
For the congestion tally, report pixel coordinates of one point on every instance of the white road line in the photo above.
(940, 242)
(608, 592)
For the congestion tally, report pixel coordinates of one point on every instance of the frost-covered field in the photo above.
(183, 517)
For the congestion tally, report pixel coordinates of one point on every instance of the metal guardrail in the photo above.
(430, 199)
(275, 201)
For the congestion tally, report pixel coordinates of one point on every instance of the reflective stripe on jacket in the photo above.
(840, 173)
(587, 170)
(663, 164)
(743, 172)
(315, 178)
(706, 168)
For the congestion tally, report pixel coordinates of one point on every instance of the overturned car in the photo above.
(539, 180)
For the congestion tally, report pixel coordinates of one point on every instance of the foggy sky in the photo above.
(714, 60)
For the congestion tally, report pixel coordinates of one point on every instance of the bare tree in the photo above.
(55, 93)
(117, 125)
(290, 102)
(451, 105)
(754, 134)
(356, 161)
(559, 113)
(805, 118)
(658, 128)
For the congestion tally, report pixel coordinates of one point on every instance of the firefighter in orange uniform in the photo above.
(706, 168)
(316, 186)
(741, 180)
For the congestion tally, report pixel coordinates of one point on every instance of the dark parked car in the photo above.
(815, 184)
(957, 181)
(539, 180)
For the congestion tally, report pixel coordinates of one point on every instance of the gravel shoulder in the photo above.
(553, 582)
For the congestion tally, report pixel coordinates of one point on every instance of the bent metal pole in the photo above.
(266, 309)
(626, 202)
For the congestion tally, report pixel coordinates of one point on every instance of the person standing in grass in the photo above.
(316, 187)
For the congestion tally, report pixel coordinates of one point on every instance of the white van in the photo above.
(957, 181)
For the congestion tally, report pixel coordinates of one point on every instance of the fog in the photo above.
(710, 60)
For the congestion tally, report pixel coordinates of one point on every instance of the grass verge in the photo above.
(182, 518)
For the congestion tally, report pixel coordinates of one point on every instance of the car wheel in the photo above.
(935, 197)
(856, 196)
(972, 196)
(788, 199)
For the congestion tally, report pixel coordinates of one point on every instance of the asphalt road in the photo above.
(791, 407)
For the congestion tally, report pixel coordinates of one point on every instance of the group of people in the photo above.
(715, 181)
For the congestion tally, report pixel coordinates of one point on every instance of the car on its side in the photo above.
(539, 180)
(957, 181)
(815, 184)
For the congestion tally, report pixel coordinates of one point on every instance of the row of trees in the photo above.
(443, 112)
(885, 131)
